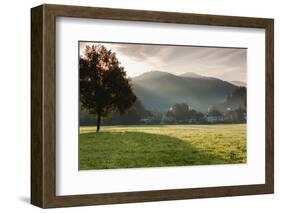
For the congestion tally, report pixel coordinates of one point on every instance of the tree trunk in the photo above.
(98, 122)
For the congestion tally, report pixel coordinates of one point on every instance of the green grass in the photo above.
(161, 145)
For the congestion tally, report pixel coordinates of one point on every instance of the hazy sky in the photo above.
(228, 64)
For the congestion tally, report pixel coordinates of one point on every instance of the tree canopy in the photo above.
(179, 111)
(104, 85)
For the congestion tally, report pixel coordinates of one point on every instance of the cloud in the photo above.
(225, 63)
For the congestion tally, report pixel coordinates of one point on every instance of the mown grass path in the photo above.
(161, 145)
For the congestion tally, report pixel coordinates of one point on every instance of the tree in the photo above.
(237, 98)
(131, 116)
(104, 86)
(134, 114)
(194, 115)
(179, 111)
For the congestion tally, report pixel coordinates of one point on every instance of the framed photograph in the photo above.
(136, 106)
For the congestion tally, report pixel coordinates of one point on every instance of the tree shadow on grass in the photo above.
(112, 150)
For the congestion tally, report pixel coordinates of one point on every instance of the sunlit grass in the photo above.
(161, 145)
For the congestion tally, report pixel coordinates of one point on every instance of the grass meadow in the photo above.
(161, 146)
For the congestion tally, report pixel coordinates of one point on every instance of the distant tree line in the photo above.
(179, 113)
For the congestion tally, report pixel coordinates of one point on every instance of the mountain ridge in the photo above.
(239, 83)
(159, 90)
(153, 73)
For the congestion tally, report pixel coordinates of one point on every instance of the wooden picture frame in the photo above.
(43, 105)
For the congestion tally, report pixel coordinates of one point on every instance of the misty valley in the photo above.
(189, 98)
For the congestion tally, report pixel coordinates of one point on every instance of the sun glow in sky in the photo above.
(228, 64)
